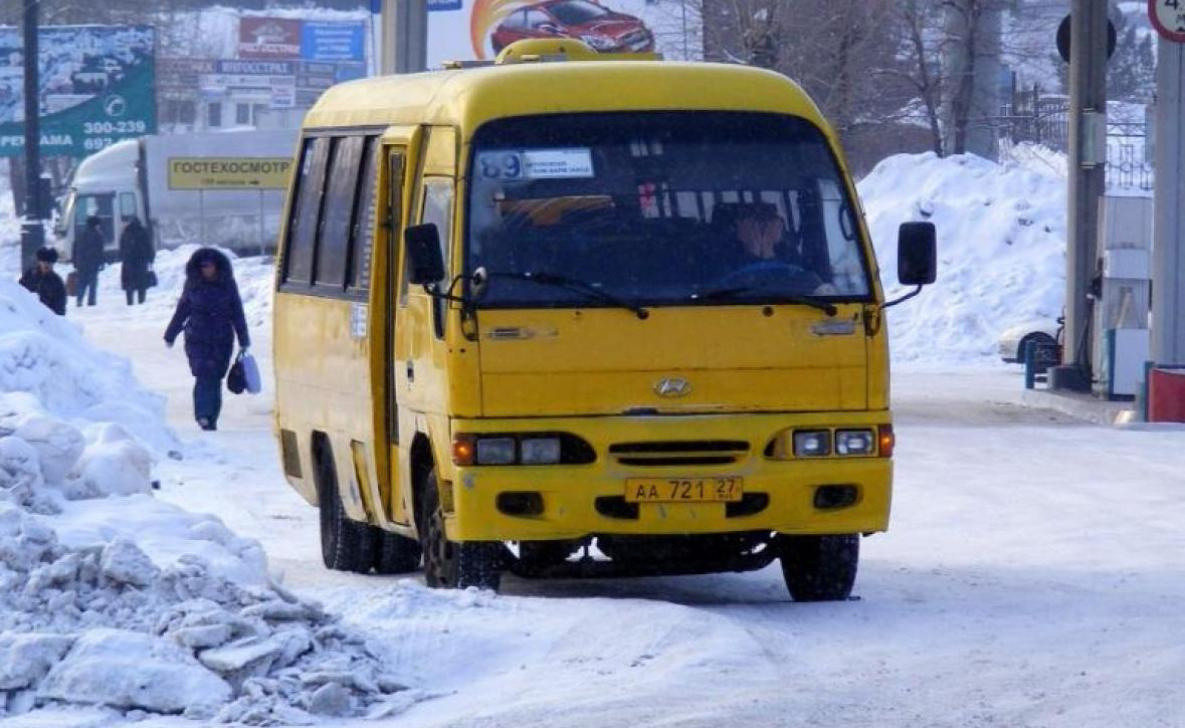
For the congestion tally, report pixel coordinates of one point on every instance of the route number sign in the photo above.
(1168, 17)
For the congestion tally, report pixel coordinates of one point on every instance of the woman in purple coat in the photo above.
(211, 314)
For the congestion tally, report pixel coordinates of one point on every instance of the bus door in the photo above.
(397, 166)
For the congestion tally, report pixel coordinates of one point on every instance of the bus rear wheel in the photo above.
(453, 564)
(346, 545)
(820, 568)
(395, 554)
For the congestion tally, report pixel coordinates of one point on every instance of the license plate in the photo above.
(684, 490)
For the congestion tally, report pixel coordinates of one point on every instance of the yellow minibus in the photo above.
(568, 314)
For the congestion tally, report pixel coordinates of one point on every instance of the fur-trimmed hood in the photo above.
(193, 273)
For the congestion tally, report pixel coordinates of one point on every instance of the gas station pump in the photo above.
(1123, 296)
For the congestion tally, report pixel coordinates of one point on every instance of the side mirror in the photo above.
(917, 253)
(422, 245)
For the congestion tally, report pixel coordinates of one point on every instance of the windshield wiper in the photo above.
(571, 284)
(796, 298)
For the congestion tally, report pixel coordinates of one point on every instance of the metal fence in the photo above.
(1045, 119)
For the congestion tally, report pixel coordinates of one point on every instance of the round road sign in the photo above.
(1168, 17)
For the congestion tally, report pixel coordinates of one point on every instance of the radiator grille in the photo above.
(679, 452)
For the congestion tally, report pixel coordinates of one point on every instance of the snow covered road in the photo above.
(1032, 576)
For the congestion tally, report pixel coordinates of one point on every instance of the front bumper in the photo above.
(582, 500)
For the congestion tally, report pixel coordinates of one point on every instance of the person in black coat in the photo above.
(137, 253)
(211, 314)
(88, 259)
(42, 280)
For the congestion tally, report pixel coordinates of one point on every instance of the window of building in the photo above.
(242, 113)
(214, 113)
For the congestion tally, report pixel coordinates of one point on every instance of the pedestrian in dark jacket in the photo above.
(211, 314)
(137, 252)
(88, 259)
(42, 280)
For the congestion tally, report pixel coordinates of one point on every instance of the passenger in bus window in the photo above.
(210, 312)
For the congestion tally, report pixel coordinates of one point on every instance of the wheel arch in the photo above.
(421, 461)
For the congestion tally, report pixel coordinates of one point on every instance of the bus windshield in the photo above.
(661, 208)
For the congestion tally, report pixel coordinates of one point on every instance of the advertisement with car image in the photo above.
(477, 30)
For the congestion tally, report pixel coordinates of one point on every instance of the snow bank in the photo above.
(1001, 250)
(46, 357)
(10, 228)
(110, 597)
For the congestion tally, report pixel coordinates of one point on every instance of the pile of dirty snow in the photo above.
(1001, 250)
(110, 597)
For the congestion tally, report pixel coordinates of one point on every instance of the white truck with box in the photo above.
(218, 188)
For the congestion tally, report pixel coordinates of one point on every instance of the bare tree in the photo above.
(971, 59)
(920, 28)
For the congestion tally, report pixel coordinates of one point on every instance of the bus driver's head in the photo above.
(759, 228)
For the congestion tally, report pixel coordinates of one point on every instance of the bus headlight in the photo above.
(541, 451)
(855, 442)
(495, 450)
(527, 448)
(812, 443)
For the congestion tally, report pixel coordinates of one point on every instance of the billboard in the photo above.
(96, 87)
(269, 38)
(332, 41)
(286, 84)
(287, 39)
(468, 30)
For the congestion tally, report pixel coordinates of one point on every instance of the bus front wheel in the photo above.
(820, 568)
(453, 564)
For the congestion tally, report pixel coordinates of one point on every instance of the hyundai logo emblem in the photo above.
(672, 387)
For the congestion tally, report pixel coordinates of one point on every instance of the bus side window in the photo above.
(333, 240)
(358, 276)
(438, 209)
(302, 227)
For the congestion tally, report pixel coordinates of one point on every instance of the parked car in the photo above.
(1014, 339)
(604, 30)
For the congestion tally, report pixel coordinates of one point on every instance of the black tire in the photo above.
(820, 568)
(452, 564)
(1037, 338)
(395, 554)
(345, 545)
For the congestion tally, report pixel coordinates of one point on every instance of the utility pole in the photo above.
(1168, 268)
(1087, 184)
(405, 36)
(32, 234)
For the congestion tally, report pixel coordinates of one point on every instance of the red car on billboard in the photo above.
(604, 30)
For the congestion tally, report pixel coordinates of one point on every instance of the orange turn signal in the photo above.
(885, 440)
(464, 450)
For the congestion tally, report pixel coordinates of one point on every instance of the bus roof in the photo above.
(466, 98)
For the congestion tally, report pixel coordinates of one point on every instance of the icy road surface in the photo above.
(1033, 576)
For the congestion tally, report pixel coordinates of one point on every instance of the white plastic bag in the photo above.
(251, 374)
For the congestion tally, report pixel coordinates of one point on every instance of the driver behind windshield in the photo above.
(763, 256)
(759, 235)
